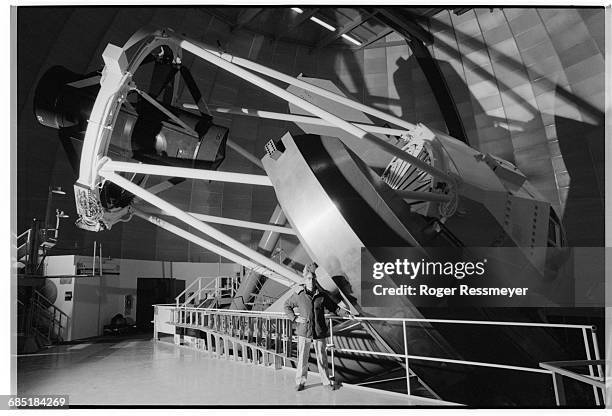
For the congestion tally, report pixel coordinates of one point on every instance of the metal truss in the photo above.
(116, 82)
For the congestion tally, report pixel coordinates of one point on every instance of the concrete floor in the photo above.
(144, 372)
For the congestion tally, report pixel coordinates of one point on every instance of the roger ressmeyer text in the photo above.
(436, 270)
(440, 292)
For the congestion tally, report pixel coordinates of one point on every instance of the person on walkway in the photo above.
(311, 302)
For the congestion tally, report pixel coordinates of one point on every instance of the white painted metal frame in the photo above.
(236, 66)
(233, 222)
(212, 247)
(207, 175)
(116, 82)
(202, 227)
(295, 118)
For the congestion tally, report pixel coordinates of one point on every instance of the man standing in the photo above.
(311, 303)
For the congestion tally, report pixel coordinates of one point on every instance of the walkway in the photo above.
(143, 372)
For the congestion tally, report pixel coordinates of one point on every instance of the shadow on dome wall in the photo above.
(579, 189)
(511, 63)
(499, 129)
(582, 147)
(461, 93)
(406, 80)
(580, 144)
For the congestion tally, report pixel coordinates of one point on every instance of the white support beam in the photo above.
(244, 224)
(250, 112)
(230, 221)
(245, 63)
(245, 153)
(199, 225)
(165, 111)
(211, 246)
(220, 60)
(227, 62)
(207, 175)
(159, 187)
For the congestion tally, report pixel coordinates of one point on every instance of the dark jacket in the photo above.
(312, 309)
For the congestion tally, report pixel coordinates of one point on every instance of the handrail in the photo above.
(51, 316)
(252, 314)
(471, 322)
(40, 295)
(50, 304)
(269, 333)
(42, 310)
(446, 360)
(204, 289)
(405, 357)
(449, 321)
(555, 367)
(24, 233)
(184, 292)
(25, 244)
(213, 280)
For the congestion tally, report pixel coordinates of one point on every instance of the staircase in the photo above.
(208, 292)
(29, 250)
(40, 324)
(32, 247)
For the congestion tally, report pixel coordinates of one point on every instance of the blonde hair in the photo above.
(308, 269)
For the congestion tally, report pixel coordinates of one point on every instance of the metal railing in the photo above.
(24, 235)
(406, 357)
(46, 319)
(24, 242)
(205, 288)
(253, 335)
(558, 372)
(246, 324)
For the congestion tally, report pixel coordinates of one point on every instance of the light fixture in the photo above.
(350, 39)
(297, 10)
(62, 214)
(322, 23)
(58, 191)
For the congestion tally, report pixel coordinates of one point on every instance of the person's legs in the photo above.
(319, 345)
(302, 362)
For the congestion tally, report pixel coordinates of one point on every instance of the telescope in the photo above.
(145, 129)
